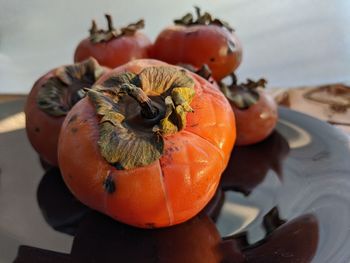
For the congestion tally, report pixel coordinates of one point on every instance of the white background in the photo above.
(290, 42)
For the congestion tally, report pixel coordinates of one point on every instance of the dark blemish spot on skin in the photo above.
(212, 59)
(192, 33)
(109, 184)
(118, 166)
(230, 47)
(72, 119)
(70, 176)
(37, 129)
(85, 120)
(74, 130)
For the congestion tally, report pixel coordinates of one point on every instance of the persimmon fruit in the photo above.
(49, 101)
(255, 111)
(148, 144)
(200, 41)
(114, 47)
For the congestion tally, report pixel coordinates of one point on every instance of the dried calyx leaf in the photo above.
(242, 95)
(204, 71)
(100, 35)
(202, 19)
(60, 92)
(136, 111)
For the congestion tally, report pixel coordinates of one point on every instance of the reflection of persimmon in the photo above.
(59, 207)
(249, 165)
(295, 241)
(101, 239)
(213, 208)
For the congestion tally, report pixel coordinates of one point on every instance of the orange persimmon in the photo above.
(255, 110)
(148, 144)
(200, 41)
(114, 47)
(51, 97)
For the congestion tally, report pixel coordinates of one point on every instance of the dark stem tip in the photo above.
(93, 29)
(148, 110)
(109, 22)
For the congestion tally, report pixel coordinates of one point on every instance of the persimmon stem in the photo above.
(109, 22)
(233, 79)
(148, 111)
(198, 12)
(93, 29)
(204, 72)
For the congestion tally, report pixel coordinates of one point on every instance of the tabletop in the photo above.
(32, 201)
(298, 186)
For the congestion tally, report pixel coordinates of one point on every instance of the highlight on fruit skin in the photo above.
(51, 98)
(148, 144)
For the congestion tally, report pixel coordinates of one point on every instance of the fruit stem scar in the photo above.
(147, 109)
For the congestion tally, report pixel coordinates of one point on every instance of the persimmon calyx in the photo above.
(100, 35)
(202, 19)
(203, 71)
(242, 95)
(60, 92)
(137, 110)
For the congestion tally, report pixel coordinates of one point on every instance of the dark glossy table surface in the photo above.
(286, 199)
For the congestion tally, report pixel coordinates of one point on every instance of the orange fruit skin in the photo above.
(167, 192)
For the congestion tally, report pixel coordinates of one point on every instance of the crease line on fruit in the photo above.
(167, 203)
